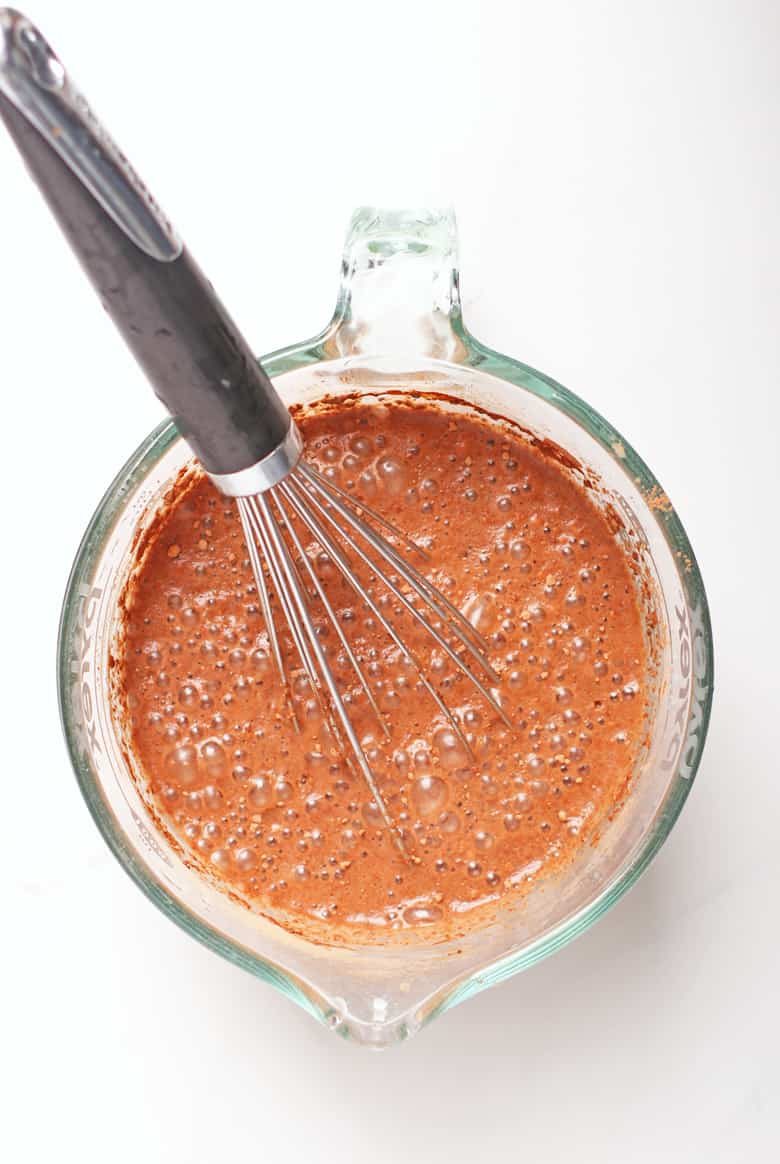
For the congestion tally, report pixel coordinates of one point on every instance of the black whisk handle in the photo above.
(188, 345)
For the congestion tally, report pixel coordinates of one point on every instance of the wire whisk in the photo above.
(306, 502)
(226, 407)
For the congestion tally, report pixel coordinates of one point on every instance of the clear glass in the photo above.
(398, 325)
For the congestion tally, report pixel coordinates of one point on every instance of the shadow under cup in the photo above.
(379, 994)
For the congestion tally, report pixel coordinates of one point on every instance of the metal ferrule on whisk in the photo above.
(266, 472)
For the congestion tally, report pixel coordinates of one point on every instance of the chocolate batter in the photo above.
(279, 817)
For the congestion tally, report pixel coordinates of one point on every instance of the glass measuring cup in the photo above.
(398, 325)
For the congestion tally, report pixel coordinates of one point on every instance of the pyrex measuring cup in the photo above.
(398, 324)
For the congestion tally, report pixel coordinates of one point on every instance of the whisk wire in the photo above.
(343, 565)
(376, 542)
(262, 588)
(320, 590)
(331, 486)
(429, 595)
(435, 596)
(299, 640)
(290, 590)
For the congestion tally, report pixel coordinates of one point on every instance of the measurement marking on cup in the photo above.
(693, 689)
(82, 693)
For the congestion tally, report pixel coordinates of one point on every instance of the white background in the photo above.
(614, 166)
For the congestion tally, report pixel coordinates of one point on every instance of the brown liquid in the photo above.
(281, 818)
